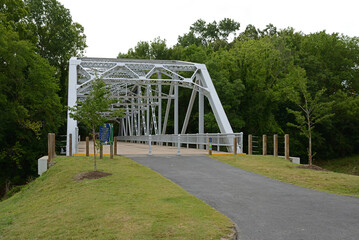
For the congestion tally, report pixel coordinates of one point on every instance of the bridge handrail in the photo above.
(200, 140)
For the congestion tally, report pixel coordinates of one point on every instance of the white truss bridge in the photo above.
(146, 89)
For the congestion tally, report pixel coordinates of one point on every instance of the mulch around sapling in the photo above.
(91, 175)
(313, 167)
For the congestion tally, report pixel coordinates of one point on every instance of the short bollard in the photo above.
(149, 145)
(70, 144)
(53, 144)
(101, 151)
(210, 146)
(179, 145)
(49, 148)
(87, 146)
(115, 146)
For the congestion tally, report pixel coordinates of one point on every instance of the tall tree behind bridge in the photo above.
(56, 36)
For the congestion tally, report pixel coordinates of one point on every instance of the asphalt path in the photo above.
(262, 208)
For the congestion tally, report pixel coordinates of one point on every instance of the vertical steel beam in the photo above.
(148, 110)
(139, 110)
(167, 110)
(200, 112)
(176, 110)
(159, 104)
(71, 102)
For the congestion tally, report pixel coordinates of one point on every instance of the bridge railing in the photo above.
(220, 141)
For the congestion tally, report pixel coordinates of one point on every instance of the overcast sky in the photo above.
(114, 26)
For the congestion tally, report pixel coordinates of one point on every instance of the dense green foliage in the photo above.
(256, 73)
(36, 40)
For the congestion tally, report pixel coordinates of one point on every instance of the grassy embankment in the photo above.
(285, 171)
(133, 203)
(348, 165)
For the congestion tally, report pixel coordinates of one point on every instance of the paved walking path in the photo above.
(262, 208)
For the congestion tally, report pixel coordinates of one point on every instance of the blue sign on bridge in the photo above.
(106, 134)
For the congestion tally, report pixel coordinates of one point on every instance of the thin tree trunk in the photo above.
(310, 147)
(94, 147)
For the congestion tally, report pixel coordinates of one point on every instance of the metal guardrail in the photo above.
(199, 140)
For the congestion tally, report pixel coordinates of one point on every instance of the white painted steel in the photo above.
(218, 140)
(139, 88)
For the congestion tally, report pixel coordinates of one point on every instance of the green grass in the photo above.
(285, 171)
(348, 165)
(133, 203)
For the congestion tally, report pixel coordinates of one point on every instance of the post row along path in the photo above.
(262, 208)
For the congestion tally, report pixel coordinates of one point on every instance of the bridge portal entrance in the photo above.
(146, 90)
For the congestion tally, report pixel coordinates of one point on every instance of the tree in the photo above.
(92, 111)
(56, 36)
(202, 33)
(156, 49)
(312, 109)
(29, 103)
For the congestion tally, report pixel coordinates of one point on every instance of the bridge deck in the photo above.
(125, 148)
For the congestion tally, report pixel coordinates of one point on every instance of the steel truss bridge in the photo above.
(138, 87)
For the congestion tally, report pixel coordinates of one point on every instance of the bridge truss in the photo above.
(137, 85)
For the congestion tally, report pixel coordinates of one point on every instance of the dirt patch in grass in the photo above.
(313, 167)
(91, 175)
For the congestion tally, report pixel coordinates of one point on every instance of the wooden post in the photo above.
(70, 144)
(275, 145)
(286, 146)
(87, 146)
(111, 151)
(115, 145)
(49, 148)
(53, 143)
(101, 151)
(234, 145)
(250, 146)
(264, 144)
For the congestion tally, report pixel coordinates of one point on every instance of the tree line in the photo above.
(276, 81)
(37, 38)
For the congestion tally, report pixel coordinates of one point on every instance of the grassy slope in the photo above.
(285, 171)
(348, 165)
(133, 203)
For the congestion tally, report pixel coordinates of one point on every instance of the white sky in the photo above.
(114, 26)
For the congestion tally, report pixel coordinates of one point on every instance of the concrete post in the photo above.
(49, 148)
(115, 145)
(286, 146)
(70, 144)
(250, 146)
(275, 145)
(264, 144)
(87, 146)
(234, 145)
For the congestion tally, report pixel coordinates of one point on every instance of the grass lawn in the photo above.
(133, 203)
(348, 165)
(285, 171)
